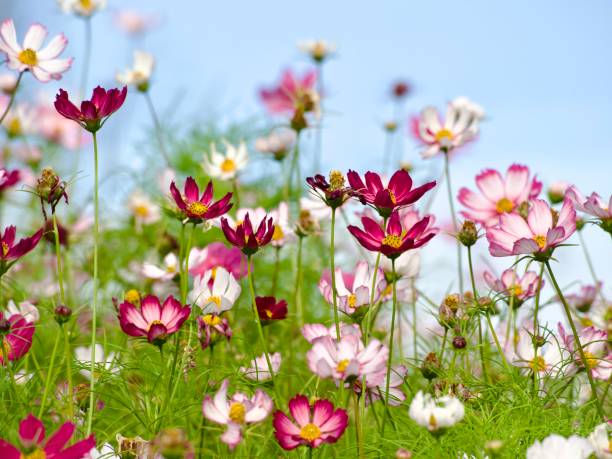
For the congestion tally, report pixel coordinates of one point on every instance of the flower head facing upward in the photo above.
(258, 369)
(291, 94)
(518, 288)
(245, 237)
(199, 208)
(15, 337)
(594, 206)
(94, 112)
(211, 329)
(538, 235)
(153, 321)
(83, 8)
(139, 75)
(499, 195)
(311, 426)
(11, 251)
(226, 166)
(34, 445)
(394, 240)
(236, 412)
(215, 291)
(270, 310)
(42, 62)
(385, 199)
(333, 193)
(317, 50)
(436, 413)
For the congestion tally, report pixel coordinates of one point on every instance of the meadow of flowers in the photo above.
(282, 315)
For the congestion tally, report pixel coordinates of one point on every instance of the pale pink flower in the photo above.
(584, 299)
(291, 89)
(498, 195)
(595, 346)
(512, 284)
(57, 129)
(593, 205)
(134, 22)
(258, 368)
(311, 332)
(550, 359)
(396, 381)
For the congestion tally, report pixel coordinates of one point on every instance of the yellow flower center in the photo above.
(432, 421)
(591, 360)
(392, 240)
(5, 349)
(237, 412)
(310, 432)
(213, 274)
(211, 319)
(13, 128)
(586, 322)
(352, 300)
(132, 296)
(504, 205)
(538, 364)
(228, 165)
(269, 313)
(214, 299)
(141, 210)
(336, 180)
(197, 208)
(28, 57)
(342, 365)
(87, 5)
(5, 249)
(37, 454)
(515, 290)
(540, 240)
(444, 134)
(278, 233)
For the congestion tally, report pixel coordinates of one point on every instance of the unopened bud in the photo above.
(494, 447)
(390, 126)
(538, 340)
(523, 209)
(62, 314)
(468, 235)
(556, 192)
(459, 342)
(298, 121)
(430, 366)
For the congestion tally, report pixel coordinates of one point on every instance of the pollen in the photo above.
(197, 208)
(342, 365)
(215, 299)
(36, 454)
(516, 290)
(540, 240)
(155, 322)
(310, 432)
(211, 319)
(591, 360)
(504, 206)
(228, 165)
(237, 412)
(278, 233)
(432, 421)
(132, 296)
(444, 134)
(392, 240)
(336, 180)
(5, 249)
(392, 197)
(28, 57)
(269, 313)
(14, 128)
(352, 300)
(538, 364)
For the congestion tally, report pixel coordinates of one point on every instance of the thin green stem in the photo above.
(58, 256)
(297, 298)
(12, 99)
(276, 270)
(475, 293)
(318, 153)
(50, 371)
(333, 271)
(589, 261)
(358, 425)
(444, 339)
(536, 326)
(449, 190)
(294, 164)
(236, 193)
(68, 355)
(391, 334)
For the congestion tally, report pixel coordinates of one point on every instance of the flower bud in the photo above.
(401, 89)
(446, 316)
(538, 340)
(390, 126)
(493, 447)
(579, 224)
(48, 185)
(430, 366)
(406, 166)
(62, 314)
(298, 121)
(468, 235)
(556, 192)
(523, 209)
(459, 342)
(306, 224)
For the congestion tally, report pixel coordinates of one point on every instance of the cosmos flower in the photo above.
(436, 413)
(226, 166)
(211, 329)
(166, 272)
(54, 128)
(396, 381)
(353, 289)
(144, 210)
(215, 255)
(197, 208)
(24, 308)
(83, 8)
(594, 206)
(8, 178)
(385, 199)
(105, 362)
(585, 298)
(498, 195)
(311, 426)
(278, 143)
(134, 22)
(93, 113)
(549, 360)
(312, 332)
(521, 288)
(269, 310)
(8, 83)
(21, 121)
(236, 412)
(139, 75)
(333, 193)
(283, 231)
(153, 321)
(215, 291)
(317, 50)
(258, 367)
(292, 93)
(244, 237)
(34, 444)
(10, 251)
(15, 337)
(394, 240)
(557, 447)
(42, 62)
(601, 442)
(595, 346)
(537, 235)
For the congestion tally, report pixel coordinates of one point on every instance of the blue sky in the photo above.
(540, 69)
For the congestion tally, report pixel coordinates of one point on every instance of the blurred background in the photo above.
(541, 70)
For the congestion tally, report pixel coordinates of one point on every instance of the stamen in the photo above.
(28, 57)
(237, 412)
(504, 205)
(392, 240)
(310, 432)
(197, 208)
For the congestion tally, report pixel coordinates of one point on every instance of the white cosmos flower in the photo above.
(83, 8)
(140, 73)
(317, 208)
(549, 360)
(21, 121)
(42, 62)
(318, 50)
(437, 413)
(226, 166)
(167, 271)
(220, 297)
(283, 232)
(25, 308)
(103, 361)
(278, 143)
(8, 83)
(557, 447)
(143, 209)
(601, 441)
(258, 367)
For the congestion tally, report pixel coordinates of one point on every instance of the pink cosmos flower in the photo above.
(283, 98)
(593, 205)
(584, 299)
(549, 360)
(498, 195)
(385, 199)
(236, 412)
(216, 255)
(10, 252)
(395, 240)
(312, 332)
(258, 367)
(198, 208)
(514, 285)
(537, 235)
(312, 425)
(15, 337)
(244, 236)
(595, 346)
(352, 288)
(94, 112)
(8, 178)
(43, 63)
(211, 329)
(33, 444)
(59, 130)
(348, 359)
(152, 320)
(134, 22)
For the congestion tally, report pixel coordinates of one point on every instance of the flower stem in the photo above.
(294, 165)
(318, 153)
(159, 133)
(68, 354)
(12, 99)
(393, 313)
(94, 311)
(358, 425)
(276, 269)
(444, 339)
(333, 271)
(48, 378)
(475, 293)
(576, 341)
(60, 277)
(449, 190)
(414, 320)
(236, 194)
(297, 299)
(536, 326)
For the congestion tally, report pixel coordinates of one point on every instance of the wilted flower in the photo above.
(105, 362)
(518, 288)
(244, 237)
(258, 369)
(24, 308)
(134, 447)
(15, 337)
(143, 209)
(318, 50)
(226, 166)
(269, 310)
(236, 412)
(43, 63)
(557, 447)
(93, 113)
(215, 291)
(436, 413)
(139, 75)
(312, 425)
(595, 346)
(197, 208)
(83, 8)
(278, 143)
(212, 328)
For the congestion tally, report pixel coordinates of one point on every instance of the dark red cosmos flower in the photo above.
(8, 178)
(32, 437)
(198, 208)
(333, 193)
(15, 338)
(211, 329)
(243, 236)
(398, 193)
(93, 113)
(395, 240)
(268, 309)
(10, 252)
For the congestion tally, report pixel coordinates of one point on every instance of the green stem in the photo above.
(60, 277)
(48, 378)
(333, 271)
(449, 190)
(294, 164)
(393, 312)
(536, 326)
(158, 127)
(414, 320)
(358, 425)
(577, 341)
(276, 270)
(68, 354)
(475, 293)
(297, 299)
(589, 261)
(444, 339)
(12, 99)
(319, 131)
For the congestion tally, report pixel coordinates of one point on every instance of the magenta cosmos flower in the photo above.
(269, 309)
(11, 251)
(395, 240)
(34, 445)
(398, 193)
(152, 320)
(199, 208)
(593, 205)
(216, 255)
(243, 236)
(290, 91)
(94, 112)
(42, 62)
(15, 337)
(515, 286)
(333, 193)
(498, 195)
(537, 235)
(312, 426)
(8, 178)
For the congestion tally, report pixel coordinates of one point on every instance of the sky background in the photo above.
(540, 69)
